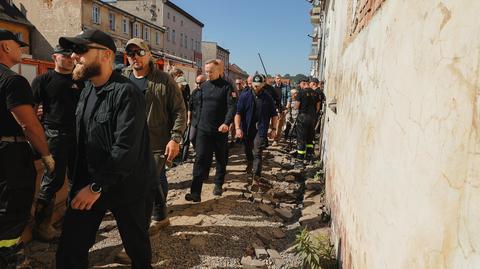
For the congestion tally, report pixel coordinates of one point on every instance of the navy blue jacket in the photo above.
(245, 108)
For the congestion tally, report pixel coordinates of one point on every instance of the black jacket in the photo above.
(117, 147)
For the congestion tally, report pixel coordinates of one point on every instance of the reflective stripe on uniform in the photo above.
(301, 152)
(310, 146)
(9, 242)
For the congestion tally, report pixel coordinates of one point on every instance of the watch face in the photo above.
(96, 188)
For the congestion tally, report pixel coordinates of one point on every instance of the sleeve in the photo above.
(231, 104)
(37, 89)
(240, 106)
(191, 105)
(177, 109)
(18, 92)
(130, 125)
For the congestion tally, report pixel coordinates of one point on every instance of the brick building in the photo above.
(211, 50)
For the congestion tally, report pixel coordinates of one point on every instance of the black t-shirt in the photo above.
(58, 94)
(141, 83)
(308, 99)
(257, 109)
(194, 105)
(218, 106)
(14, 91)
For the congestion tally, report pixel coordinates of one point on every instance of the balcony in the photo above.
(313, 57)
(315, 15)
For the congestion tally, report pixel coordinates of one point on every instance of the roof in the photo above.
(11, 13)
(184, 13)
(235, 68)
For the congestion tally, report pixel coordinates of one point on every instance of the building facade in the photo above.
(211, 50)
(53, 19)
(235, 72)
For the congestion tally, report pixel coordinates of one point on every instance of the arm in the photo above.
(238, 129)
(178, 112)
(26, 118)
(273, 132)
(231, 105)
(189, 117)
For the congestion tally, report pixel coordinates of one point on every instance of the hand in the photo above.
(223, 128)
(188, 123)
(48, 163)
(238, 133)
(272, 134)
(85, 199)
(172, 150)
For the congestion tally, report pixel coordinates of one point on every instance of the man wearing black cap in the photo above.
(114, 168)
(307, 106)
(255, 110)
(18, 125)
(58, 95)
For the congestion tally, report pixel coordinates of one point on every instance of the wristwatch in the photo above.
(95, 188)
(177, 139)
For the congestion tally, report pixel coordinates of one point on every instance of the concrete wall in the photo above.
(403, 164)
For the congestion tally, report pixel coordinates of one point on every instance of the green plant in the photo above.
(316, 252)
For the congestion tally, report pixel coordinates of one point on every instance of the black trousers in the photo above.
(305, 134)
(207, 144)
(80, 229)
(254, 146)
(17, 187)
(62, 147)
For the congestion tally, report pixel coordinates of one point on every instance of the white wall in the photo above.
(403, 166)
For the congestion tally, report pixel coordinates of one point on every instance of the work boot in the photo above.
(43, 229)
(249, 168)
(157, 225)
(122, 258)
(193, 197)
(217, 191)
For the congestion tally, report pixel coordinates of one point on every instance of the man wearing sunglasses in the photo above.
(58, 95)
(114, 168)
(166, 117)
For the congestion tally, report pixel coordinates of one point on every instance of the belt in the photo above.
(13, 139)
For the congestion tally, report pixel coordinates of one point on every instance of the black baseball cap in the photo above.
(61, 50)
(258, 80)
(303, 80)
(7, 35)
(87, 37)
(314, 80)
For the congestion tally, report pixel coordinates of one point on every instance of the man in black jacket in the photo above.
(216, 115)
(114, 166)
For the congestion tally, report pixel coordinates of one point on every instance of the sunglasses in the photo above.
(82, 49)
(132, 53)
(198, 83)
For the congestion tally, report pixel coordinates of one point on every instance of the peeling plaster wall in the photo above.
(403, 164)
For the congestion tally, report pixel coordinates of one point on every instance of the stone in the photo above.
(278, 233)
(310, 221)
(249, 263)
(266, 209)
(247, 195)
(312, 184)
(279, 263)
(273, 254)
(288, 205)
(266, 201)
(290, 178)
(264, 236)
(260, 251)
(284, 213)
(198, 242)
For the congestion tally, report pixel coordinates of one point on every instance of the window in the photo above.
(181, 40)
(168, 34)
(173, 36)
(125, 26)
(135, 30)
(173, 18)
(111, 21)
(157, 38)
(146, 33)
(181, 22)
(168, 15)
(191, 43)
(185, 42)
(96, 14)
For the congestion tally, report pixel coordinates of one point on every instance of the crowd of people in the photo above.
(112, 134)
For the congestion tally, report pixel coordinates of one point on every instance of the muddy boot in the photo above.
(122, 258)
(43, 229)
(249, 168)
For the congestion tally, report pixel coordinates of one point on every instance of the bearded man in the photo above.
(114, 167)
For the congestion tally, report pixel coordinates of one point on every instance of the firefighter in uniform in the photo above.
(307, 106)
(18, 126)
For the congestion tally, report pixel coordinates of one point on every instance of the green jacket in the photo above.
(166, 112)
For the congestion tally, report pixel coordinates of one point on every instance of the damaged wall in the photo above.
(403, 166)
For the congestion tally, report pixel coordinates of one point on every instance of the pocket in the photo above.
(102, 117)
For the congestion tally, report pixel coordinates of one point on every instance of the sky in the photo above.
(277, 29)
